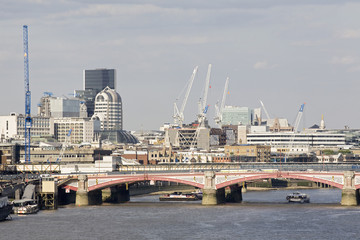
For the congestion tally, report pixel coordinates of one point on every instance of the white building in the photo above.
(13, 126)
(108, 109)
(108, 164)
(315, 140)
(59, 107)
(82, 129)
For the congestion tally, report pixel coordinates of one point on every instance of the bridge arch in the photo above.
(104, 185)
(276, 175)
(134, 179)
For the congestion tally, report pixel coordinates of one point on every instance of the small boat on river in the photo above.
(298, 197)
(5, 208)
(198, 193)
(25, 206)
(178, 196)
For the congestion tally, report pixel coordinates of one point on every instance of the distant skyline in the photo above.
(283, 52)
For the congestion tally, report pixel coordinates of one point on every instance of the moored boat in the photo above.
(298, 197)
(178, 196)
(198, 193)
(5, 208)
(25, 206)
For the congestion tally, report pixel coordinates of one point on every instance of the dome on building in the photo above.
(118, 136)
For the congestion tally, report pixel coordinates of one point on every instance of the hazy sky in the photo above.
(283, 52)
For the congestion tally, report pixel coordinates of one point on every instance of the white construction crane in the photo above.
(298, 117)
(203, 108)
(296, 125)
(179, 115)
(64, 146)
(219, 111)
(266, 112)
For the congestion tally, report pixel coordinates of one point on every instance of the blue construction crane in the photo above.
(28, 120)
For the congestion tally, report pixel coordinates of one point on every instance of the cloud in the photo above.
(97, 10)
(350, 34)
(343, 60)
(354, 69)
(185, 40)
(306, 43)
(264, 65)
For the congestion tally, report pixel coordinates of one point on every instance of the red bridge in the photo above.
(212, 183)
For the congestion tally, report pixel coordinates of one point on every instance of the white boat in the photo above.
(25, 206)
(298, 197)
(178, 196)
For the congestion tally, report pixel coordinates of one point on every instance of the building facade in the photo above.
(98, 79)
(73, 155)
(108, 109)
(232, 115)
(185, 138)
(13, 126)
(320, 140)
(94, 81)
(59, 107)
(260, 153)
(82, 129)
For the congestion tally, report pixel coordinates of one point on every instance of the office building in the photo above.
(232, 115)
(98, 79)
(314, 140)
(94, 81)
(259, 153)
(82, 129)
(108, 109)
(59, 107)
(13, 126)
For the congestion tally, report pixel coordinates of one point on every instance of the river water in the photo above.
(262, 215)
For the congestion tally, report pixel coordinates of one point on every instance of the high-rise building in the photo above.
(98, 79)
(108, 108)
(94, 81)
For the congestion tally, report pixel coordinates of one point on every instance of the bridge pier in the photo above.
(117, 194)
(211, 195)
(82, 195)
(244, 187)
(18, 194)
(95, 197)
(235, 194)
(349, 196)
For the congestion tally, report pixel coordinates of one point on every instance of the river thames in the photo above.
(261, 215)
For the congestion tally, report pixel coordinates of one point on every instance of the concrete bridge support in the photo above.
(95, 197)
(82, 195)
(349, 195)
(18, 194)
(117, 194)
(244, 187)
(235, 194)
(211, 195)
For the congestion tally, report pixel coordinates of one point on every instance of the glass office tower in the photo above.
(98, 79)
(94, 81)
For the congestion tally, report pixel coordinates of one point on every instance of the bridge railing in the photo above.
(196, 167)
(241, 166)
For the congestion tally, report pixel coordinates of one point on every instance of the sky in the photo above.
(283, 52)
